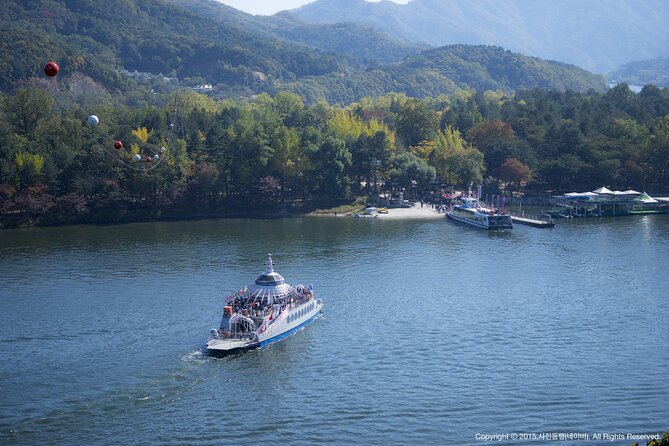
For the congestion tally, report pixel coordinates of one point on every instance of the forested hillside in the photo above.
(152, 36)
(242, 55)
(642, 72)
(443, 70)
(362, 45)
(598, 35)
(277, 153)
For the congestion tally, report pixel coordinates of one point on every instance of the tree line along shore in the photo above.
(265, 156)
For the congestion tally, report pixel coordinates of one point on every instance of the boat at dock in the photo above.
(470, 211)
(266, 311)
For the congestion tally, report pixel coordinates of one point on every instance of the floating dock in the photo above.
(533, 221)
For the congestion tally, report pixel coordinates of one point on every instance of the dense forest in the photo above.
(276, 153)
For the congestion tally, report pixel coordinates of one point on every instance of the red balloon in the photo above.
(118, 145)
(51, 69)
(148, 159)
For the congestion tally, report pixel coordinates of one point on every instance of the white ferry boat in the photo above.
(264, 312)
(472, 212)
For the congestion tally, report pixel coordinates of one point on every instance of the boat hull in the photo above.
(227, 346)
(275, 333)
(477, 224)
(289, 332)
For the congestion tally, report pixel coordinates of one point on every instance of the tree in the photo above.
(486, 135)
(287, 159)
(407, 169)
(203, 184)
(28, 168)
(658, 156)
(27, 108)
(416, 122)
(562, 171)
(515, 172)
(331, 159)
(465, 167)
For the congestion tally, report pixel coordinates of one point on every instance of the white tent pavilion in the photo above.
(645, 198)
(580, 194)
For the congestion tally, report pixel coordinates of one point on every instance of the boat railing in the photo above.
(218, 334)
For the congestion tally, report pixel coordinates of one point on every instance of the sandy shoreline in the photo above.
(414, 212)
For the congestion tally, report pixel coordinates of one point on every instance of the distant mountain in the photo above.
(598, 35)
(653, 71)
(443, 70)
(364, 45)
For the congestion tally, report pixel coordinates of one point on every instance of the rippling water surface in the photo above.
(433, 332)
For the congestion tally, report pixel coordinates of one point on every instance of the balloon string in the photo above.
(169, 142)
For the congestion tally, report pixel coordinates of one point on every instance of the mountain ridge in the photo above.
(597, 35)
(444, 70)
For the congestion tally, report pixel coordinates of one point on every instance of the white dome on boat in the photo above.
(270, 284)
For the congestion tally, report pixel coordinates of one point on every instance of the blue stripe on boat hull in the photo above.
(285, 334)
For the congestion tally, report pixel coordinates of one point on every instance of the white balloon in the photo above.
(93, 120)
(156, 157)
(137, 157)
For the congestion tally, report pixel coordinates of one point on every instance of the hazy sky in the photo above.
(269, 7)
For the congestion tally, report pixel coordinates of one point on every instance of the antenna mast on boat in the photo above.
(269, 264)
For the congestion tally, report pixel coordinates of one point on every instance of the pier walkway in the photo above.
(537, 222)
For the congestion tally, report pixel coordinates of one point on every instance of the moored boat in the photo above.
(472, 212)
(264, 312)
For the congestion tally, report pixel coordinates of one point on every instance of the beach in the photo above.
(414, 212)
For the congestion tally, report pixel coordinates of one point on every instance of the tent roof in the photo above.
(581, 194)
(645, 198)
(603, 190)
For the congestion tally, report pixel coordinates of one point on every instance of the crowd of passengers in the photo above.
(258, 307)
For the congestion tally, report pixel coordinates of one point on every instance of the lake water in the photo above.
(433, 333)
